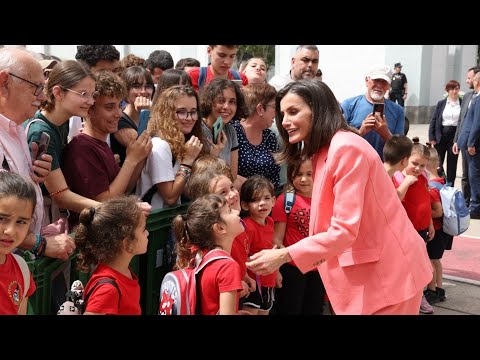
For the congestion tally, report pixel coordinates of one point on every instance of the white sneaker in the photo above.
(425, 307)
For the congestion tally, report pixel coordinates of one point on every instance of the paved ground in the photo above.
(462, 263)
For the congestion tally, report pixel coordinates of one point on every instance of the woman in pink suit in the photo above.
(370, 258)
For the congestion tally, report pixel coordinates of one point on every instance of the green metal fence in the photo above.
(150, 267)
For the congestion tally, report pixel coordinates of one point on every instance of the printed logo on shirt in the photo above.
(15, 292)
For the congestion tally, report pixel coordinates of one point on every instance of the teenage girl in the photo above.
(108, 237)
(17, 202)
(210, 223)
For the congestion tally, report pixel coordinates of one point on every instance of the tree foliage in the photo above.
(246, 52)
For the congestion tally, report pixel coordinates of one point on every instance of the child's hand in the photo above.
(251, 283)
(410, 179)
(431, 232)
(279, 280)
(244, 291)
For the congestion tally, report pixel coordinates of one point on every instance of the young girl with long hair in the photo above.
(210, 223)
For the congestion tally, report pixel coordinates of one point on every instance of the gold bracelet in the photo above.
(59, 191)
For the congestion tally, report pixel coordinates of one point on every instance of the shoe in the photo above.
(425, 307)
(440, 294)
(431, 296)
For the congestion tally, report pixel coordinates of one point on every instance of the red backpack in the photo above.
(178, 292)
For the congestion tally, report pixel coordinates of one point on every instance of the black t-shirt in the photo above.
(398, 82)
(125, 123)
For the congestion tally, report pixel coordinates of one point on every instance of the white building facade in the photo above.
(427, 67)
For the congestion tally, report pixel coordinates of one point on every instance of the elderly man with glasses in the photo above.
(21, 93)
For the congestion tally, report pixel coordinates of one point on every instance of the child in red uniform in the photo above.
(300, 294)
(257, 198)
(210, 223)
(109, 236)
(441, 241)
(416, 198)
(17, 202)
(212, 176)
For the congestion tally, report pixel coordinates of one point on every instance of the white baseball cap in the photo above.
(380, 72)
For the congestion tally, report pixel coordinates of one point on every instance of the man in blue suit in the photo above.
(466, 101)
(469, 140)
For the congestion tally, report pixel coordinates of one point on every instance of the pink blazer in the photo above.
(361, 240)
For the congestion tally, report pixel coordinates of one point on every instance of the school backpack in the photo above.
(178, 291)
(203, 76)
(456, 217)
(288, 201)
(76, 303)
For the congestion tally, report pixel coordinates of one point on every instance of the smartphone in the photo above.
(43, 145)
(217, 129)
(378, 108)
(142, 123)
(238, 82)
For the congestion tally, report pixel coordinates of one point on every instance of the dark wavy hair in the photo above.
(100, 234)
(214, 89)
(92, 54)
(327, 118)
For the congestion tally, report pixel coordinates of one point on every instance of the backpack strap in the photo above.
(435, 185)
(100, 282)
(30, 123)
(207, 259)
(288, 201)
(202, 76)
(236, 75)
(25, 272)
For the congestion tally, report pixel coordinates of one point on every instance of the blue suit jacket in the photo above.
(470, 133)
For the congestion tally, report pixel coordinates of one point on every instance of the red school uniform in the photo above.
(104, 299)
(260, 237)
(11, 286)
(417, 203)
(219, 276)
(297, 221)
(239, 253)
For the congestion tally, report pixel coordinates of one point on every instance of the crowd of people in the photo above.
(307, 198)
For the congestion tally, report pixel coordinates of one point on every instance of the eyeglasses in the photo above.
(183, 114)
(46, 73)
(85, 95)
(138, 86)
(39, 87)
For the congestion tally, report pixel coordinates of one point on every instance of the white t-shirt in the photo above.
(158, 168)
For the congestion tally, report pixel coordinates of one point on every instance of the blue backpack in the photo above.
(456, 217)
(203, 76)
